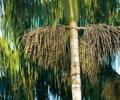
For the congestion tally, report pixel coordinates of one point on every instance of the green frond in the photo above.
(9, 58)
(36, 13)
(98, 11)
(14, 62)
(4, 46)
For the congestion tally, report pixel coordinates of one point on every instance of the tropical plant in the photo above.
(47, 63)
(37, 47)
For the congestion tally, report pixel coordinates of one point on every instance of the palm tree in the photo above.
(57, 56)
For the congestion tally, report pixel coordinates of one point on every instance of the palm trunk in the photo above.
(75, 67)
(71, 18)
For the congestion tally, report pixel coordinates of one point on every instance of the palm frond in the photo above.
(9, 59)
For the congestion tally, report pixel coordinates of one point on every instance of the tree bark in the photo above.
(75, 65)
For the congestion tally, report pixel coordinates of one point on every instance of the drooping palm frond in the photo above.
(49, 47)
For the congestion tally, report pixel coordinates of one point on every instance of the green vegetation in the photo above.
(39, 61)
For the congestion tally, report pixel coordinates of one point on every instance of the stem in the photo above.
(75, 66)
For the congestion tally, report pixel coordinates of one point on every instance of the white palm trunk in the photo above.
(75, 67)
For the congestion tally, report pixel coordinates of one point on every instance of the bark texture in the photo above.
(75, 65)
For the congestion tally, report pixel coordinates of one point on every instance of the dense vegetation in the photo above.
(24, 77)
